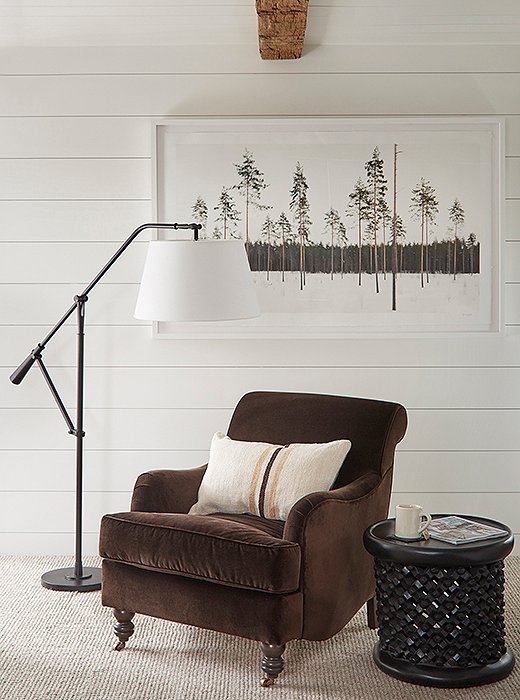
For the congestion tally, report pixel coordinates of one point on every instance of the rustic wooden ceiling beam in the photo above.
(281, 28)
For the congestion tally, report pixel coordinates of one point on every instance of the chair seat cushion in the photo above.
(241, 551)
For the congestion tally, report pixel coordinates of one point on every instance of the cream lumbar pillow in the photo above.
(265, 479)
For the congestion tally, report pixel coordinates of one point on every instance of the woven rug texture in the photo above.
(58, 646)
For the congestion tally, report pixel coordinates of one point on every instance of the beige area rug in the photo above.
(59, 646)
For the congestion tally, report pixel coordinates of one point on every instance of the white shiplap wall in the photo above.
(75, 180)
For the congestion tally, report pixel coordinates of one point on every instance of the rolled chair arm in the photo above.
(300, 513)
(167, 490)
(337, 572)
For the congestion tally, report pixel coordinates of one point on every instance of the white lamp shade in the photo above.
(205, 280)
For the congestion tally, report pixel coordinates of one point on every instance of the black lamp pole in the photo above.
(79, 578)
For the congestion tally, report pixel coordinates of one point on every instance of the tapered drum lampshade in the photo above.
(204, 280)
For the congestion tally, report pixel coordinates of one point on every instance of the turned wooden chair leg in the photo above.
(272, 663)
(372, 613)
(124, 628)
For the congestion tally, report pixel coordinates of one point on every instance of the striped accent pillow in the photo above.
(265, 479)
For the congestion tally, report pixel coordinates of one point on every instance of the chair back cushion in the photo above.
(265, 479)
(373, 427)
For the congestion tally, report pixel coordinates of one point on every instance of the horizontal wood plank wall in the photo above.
(75, 180)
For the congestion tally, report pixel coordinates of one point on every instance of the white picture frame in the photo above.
(461, 158)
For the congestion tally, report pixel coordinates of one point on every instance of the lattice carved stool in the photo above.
(440, 608)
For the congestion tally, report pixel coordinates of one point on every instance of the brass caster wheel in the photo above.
(266, 682)
(119, 646)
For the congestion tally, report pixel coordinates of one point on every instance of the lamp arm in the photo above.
(194, 227)
(56, 396)
(18, 375)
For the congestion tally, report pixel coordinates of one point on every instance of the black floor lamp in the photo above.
(183, 280)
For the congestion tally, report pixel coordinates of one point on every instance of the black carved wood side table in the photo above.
(440, 608)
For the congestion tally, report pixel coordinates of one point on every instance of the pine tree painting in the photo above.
(372, 223)
(430, 213)
(267, 235)
(299, 205)
(227, 212)
(199, 212)
(359, 206)
(456, 214)
(252, 184)
(471, 244)
(377, 189)
(283, 229)
(386, 220)
(332, 222)
(400, 235)
(343, 242)
(424, 207)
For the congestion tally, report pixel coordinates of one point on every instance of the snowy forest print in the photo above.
(340, 227)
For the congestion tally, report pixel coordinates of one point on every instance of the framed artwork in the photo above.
(351, 226)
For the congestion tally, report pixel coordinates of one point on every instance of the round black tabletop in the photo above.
(381, 542)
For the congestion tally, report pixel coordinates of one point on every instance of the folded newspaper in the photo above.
(457, 530)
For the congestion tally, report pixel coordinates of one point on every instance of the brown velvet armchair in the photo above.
(262, 579)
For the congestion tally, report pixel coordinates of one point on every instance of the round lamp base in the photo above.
(65, 580)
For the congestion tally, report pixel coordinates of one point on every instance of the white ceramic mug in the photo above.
(410, 522)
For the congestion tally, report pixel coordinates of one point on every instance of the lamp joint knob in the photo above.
(37, 351)
(76, 433)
